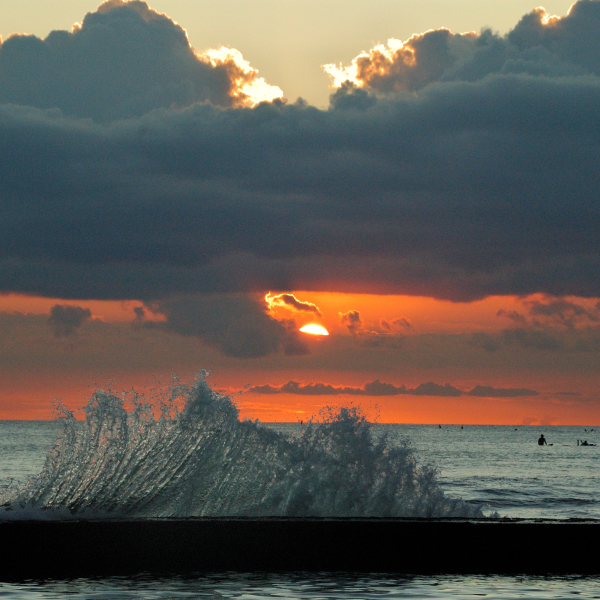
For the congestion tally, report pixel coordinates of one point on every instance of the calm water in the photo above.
(500, 467)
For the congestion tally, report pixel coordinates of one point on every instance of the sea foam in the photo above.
(202, 460)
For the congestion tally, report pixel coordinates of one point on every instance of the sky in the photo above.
(185, 185)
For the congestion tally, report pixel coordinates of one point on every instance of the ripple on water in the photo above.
(305, 586)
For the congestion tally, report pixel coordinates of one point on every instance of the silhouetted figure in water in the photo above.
(461, 427)
(440, 426)
(542, 441)
(584, 443)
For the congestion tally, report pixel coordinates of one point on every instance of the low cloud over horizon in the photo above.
(379, 388)
(450, 166)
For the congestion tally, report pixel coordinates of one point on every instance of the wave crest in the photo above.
(201, 460)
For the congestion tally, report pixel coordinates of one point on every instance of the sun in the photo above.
(314, 330)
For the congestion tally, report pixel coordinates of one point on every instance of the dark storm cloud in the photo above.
(66, 320)
(122, 61)
(237, 326)
(472, 186)
(352, 320)
(379, 388)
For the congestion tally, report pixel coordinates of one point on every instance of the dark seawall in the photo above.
(56, 549)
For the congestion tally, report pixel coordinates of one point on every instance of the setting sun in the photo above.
(314, 330)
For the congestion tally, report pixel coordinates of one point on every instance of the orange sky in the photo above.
(36, 366)
(428, 410)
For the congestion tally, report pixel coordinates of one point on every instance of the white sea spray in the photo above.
(203, 461)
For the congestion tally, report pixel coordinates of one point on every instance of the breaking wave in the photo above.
(201, 460)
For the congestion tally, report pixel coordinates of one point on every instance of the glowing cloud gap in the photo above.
(290, 301)
(385, 56)
(251, 89)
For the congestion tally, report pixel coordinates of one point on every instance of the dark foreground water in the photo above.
(501, 468)
(299, 586)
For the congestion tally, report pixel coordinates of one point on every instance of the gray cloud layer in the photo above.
(475, 185)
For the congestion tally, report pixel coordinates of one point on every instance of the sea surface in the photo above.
(498, 467)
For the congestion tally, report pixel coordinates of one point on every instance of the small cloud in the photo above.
(488, 342)
(397, 324)
(66, 320)
(513, 315)
(140, 314)
(530, 421)
(352, 320)
(290, 301)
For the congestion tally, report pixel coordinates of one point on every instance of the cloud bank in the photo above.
(379, 388)
(461, 166)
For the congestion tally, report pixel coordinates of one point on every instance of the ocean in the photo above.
(500, 468)
(496, 469)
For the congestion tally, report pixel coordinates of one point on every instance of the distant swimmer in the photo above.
(542, 441)
(440, 426)
(585, 443)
